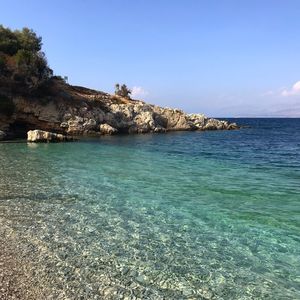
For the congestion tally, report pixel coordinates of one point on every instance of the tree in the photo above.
(32, 67)
(122, 91)
(28, 40)
(12, 41)
(22, 62)
(9, 43)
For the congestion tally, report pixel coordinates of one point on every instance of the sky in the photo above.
(219, 57)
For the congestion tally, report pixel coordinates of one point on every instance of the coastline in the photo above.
(77, 111)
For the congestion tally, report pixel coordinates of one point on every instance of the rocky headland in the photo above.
(75, 111)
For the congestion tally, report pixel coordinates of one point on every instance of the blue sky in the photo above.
(223, 58)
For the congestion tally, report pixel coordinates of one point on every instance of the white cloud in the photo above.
(295, 90)
(138, 92)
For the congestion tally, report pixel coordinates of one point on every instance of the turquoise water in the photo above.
(188, 215)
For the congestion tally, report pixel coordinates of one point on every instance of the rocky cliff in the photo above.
(72, 110)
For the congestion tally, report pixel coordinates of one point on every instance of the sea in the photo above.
(182, 215)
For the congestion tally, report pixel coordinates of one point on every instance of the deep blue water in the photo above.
(184, 215)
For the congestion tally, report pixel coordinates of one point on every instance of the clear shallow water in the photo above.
(189, 215)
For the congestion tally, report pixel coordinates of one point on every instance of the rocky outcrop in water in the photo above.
(72, 110)
(40, 136)
(204, 123)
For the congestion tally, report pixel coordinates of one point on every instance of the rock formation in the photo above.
(45, 136)
(107, 129)
(71, 110)
(204, 123)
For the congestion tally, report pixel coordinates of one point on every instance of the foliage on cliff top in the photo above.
(122, 91)
(22, 63)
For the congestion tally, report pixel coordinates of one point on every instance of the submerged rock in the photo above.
(40, 136)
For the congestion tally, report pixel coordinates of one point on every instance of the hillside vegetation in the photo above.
(23, 66)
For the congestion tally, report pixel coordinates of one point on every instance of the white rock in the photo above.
(107, 129)
(45, 136)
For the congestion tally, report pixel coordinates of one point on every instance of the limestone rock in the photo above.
(75, 125)
(198, 120)
(213, 124)
(144, 122)
(176, 120)
(232, 126)
(39, 136)
(107, 129)
(204, 123)
(90, 124)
